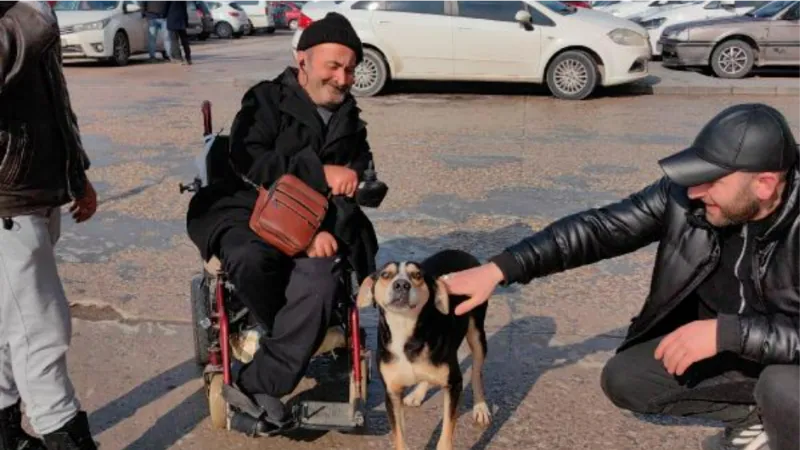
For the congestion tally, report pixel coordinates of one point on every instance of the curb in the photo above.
(714, 90)
(646, 89)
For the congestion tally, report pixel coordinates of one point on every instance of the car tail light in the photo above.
(304, 21)
(199, 14)
(233, 13)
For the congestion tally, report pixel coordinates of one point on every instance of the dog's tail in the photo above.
(449, 261)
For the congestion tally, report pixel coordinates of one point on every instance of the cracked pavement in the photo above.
(476, 168)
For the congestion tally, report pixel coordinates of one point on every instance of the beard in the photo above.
(742, 211)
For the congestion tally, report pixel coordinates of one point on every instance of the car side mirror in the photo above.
(525, 19)
(712, 5)
(129, 8)
(728, 4)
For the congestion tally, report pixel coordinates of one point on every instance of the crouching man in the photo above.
(42, 167)
(722, 314)
(304, 122)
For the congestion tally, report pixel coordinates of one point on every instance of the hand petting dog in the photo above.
(478, 283)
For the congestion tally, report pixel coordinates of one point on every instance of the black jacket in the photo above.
(688, 250)
(42, 160)
(155, 10)
(278, 131)
(177, 16)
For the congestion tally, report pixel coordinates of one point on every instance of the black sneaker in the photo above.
(74, 435)
(12, 436)
(752, 437)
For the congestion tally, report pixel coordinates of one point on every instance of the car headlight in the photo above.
(678, 34)
(624, 36)
(653, 23)
(99, 25)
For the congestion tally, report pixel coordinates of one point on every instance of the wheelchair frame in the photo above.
(216, 318)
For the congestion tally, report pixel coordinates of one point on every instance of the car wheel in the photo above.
(223, 30)
(732, 59)
(572, 75)
(371, 75)
(122, 49)
(293, 25)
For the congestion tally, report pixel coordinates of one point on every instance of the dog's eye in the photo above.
(386, 275)
(416, 276)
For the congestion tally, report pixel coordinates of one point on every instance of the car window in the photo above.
(248, 3)
(793, 13)
(85, 6)
(426, 7)
(560, 8)
(768, 10)
(747, 4)
(369, 6)
(503, 11)
(539, 18)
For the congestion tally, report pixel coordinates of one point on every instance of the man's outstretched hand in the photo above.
(84, 208)
(342, 180)
(478, 283)
(687, 345)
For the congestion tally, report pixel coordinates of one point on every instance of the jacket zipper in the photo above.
(742, 302)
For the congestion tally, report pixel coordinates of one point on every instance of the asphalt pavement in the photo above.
(475, 167)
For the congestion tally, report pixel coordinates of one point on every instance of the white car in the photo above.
(260, 14)
(230, 20)
(572, 50)
(628, 9)
(656, 22)
(103, 30)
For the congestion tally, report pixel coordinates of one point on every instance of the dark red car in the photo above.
(287, 14)
(580, 4)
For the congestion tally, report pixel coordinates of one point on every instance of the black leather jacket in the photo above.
(42, 161)
(688, 250)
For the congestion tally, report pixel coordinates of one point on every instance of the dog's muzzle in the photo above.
(400, 295)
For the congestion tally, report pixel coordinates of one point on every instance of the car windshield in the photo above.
(559, 7)
(85, 6)
(768, 10)
(599, 4)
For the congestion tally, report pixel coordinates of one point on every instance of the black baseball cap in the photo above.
(750, 137)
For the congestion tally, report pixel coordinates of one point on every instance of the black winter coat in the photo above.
(687, 253)
(278, 131)
(177, 16)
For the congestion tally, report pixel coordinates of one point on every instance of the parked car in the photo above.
(287, 14)
(628, 9)
(201, 24)
(260, 14)
(657, 21)
(230, 20)
(579, 4)
(766, 36)
(111, 31)
(572, 50)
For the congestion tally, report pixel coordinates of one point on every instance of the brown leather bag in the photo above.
(289, 214)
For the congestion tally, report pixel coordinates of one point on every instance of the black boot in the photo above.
(12, 436)
(75, 435)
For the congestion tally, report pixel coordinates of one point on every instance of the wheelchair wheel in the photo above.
(217, 406)
(200, 312)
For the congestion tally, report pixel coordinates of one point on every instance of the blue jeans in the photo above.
(154, 26)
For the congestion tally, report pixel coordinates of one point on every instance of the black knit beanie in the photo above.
(333, 28)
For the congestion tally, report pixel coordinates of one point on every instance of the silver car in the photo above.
(766, 36)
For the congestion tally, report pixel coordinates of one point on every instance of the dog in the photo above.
(419, 336)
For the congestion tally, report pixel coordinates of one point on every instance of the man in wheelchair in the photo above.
(306, 123)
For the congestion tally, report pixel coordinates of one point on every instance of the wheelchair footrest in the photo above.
(328, 415)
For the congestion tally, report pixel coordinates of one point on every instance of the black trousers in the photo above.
(778, 397)
(718, 388)
(294, 298)
(184, 39)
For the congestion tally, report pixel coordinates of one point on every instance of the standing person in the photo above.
(42, 167)
(156, 15)
(177, 21)
(718, 337)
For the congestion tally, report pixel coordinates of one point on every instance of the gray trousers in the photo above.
(35, 327)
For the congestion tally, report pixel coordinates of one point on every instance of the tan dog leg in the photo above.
(416, 396)
(452, 394)
(477, 346)
(394, 409)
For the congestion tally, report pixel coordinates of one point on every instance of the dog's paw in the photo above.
(415, 397)
(481, 414)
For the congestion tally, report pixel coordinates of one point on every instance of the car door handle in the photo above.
(384, 22)
(464, 28)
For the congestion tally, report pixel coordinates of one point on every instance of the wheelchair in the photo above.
(225, 334)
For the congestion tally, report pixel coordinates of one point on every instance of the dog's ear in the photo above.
(442, 298)
(365, 296)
